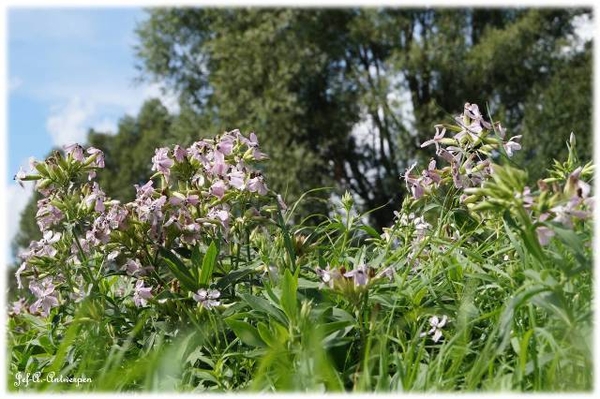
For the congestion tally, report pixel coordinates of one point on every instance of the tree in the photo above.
(345, 97)
(305, 79)
(553, 110)
(128, 153)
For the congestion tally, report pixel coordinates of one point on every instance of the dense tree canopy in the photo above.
(303, 79)
(343, 98)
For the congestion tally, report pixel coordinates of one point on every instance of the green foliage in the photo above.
(304, 78)
(474, 285)
(461, 293)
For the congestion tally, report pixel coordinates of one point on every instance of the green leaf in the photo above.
(233, 277)
(179, 270)
(262, 305)
(574, 243)
(196, 258)
(245, 332)
(266, 335)
(370, 231)
(208, 264)
(331, 327)
(288, 299)
(507, 318)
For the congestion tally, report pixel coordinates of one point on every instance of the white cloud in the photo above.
(76, 109)
(119, 95)
(106, 125)
(14, 83)
(68, 123)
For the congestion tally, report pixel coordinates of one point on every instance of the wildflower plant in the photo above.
(204, 198)
(480, 281)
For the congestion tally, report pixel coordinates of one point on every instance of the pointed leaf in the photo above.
(245, 332)
(208, 264)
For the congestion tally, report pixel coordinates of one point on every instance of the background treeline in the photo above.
(343, 98)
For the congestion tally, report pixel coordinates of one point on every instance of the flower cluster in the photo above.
(208, 191)
(485, 185)
(574, 203)
(468, 152)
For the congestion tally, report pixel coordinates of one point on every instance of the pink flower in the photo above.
(472, 132)
(413, 183)
(219, 167)
(439, 135)
(179, 199)
(45, 245)
(97, 197)
(576, 187)
(100, 232)
(179, 153)
(236, 179)
(253, 140)
(133, 267)
(218, 189)
(141, 294)
(225, 146)
(222, 215)
(196, 151)
(18, 307)
(144, 191)
(431, 174)
(47, 214)
(544, 234)
(116, 217)
(97, 156)
(257, 184)
(328, 276)
(446, 155)
(472, 111)
(46, 298)
(258, 155)
(161, 161)
(526, 197)
(75, 150)
(459, 180)
(564, 214)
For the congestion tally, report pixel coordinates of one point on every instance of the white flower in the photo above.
(360, 275)
(141, 294)
(511, 145)
(328, 276)
(436, 328)
(207, 298)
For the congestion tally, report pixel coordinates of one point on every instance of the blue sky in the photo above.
(68, 69)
